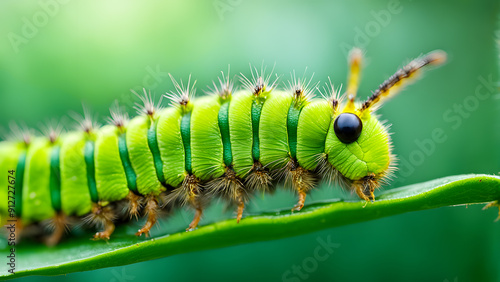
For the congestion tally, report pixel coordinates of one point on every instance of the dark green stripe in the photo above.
(256, 111)
(292, 123)
(127, 165)
(18, 186)
(89, 162)
(186, 140)
(55, 179)
(224, 131)
(155, 150)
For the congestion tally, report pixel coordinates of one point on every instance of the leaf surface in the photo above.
(81, 254)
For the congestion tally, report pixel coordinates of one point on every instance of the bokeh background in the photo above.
(54, 55)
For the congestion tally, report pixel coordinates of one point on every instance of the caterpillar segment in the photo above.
(146, 163)
(58, 224)
(245, 116)
(301, 179)
(229, 185)
(227, 145)
(179, 135)
(13, 152)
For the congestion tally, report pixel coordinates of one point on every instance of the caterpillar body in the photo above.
(224, 145)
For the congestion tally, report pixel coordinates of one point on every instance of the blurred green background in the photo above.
(54, 55)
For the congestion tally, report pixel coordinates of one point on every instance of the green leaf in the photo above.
(81, 254)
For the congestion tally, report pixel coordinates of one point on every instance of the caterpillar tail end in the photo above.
(493, 204)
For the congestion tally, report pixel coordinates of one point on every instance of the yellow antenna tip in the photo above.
(355, 56)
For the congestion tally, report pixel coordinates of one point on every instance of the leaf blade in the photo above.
(83, 254)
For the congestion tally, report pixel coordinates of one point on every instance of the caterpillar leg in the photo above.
(134, 204)
(197, 217)
(109, 228)
(302, 182)
(241, 207)
(102, 216)
(258, 178)
(194, 198)
(300, 203)
(231, 188)
(493, 204)
(151, 210)
(363, 194)
(189, 193)
(365, 187)
(59, 224)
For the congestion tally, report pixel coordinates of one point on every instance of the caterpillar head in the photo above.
(358, 145)
(359, 148)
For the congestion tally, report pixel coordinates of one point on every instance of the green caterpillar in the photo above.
(223, 145)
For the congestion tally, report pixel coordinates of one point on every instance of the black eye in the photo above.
(347, 127)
